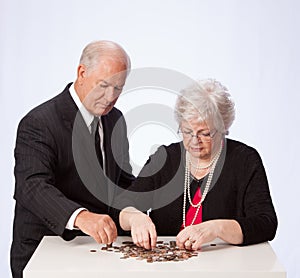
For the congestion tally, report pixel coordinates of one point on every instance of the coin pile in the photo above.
(163, 252)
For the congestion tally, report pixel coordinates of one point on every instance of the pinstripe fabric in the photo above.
(48, 187)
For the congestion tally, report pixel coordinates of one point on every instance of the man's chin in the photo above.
(104, 112)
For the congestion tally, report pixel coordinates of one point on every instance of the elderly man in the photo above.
(66, 165)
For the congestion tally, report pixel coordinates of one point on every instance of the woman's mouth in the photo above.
(195, 149)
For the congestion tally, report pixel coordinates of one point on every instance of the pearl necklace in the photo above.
(187, 190)
(201, 167)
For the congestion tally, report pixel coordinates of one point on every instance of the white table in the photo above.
(57, 258)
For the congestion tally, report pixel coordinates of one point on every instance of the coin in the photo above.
(163, 252)
(128, 242)
(172, 243)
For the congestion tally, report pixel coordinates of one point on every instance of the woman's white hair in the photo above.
(94, 51)
(207, 101)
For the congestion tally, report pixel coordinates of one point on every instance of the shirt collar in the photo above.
(87, 116)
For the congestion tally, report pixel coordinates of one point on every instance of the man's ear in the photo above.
(81, 72)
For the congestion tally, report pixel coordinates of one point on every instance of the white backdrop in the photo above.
(250, 46)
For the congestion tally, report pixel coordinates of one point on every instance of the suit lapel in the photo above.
(67, 108)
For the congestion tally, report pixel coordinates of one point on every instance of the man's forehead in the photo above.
(111, 82)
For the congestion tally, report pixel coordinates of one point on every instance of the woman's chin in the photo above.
(199, 153)
(195, 153)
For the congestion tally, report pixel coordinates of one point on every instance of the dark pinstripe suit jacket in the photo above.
(48, 186)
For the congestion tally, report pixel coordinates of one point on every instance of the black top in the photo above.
(239, 191)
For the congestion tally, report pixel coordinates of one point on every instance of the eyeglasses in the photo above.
(203, 136)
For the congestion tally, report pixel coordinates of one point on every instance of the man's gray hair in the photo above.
(207, 101)
(94, 51)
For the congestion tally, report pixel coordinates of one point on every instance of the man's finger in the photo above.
(104, 237)
(97, 238)
(111, 233)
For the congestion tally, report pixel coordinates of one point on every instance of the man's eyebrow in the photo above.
(109, 84)
(103, 81)
(121, 86)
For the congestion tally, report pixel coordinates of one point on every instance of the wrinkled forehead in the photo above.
(118, 79)
(110, 71)
(118, 62)
(195, 124)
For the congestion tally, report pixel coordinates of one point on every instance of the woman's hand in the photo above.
(143, 230)
(192, 237)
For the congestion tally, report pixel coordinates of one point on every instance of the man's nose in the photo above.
(111, 94)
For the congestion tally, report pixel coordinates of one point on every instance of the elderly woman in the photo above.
(205, 187)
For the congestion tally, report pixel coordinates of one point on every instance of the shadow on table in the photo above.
(214, 246)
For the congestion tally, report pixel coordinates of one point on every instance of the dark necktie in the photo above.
(95, 134)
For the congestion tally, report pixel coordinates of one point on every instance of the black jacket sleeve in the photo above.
(257, 216)
(35, 155)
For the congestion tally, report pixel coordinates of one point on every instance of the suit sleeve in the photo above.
(36, 191)
(258, 220)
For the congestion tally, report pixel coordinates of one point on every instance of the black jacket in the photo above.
(239, 192)
(49, 184)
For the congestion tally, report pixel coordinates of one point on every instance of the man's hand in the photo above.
(99, 226)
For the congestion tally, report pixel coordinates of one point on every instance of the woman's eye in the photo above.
(206, 134)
